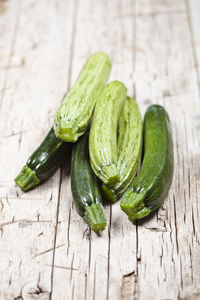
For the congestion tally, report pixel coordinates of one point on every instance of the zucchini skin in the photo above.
(129, 149)
(75, 111)
(44, 161)
(85, 187)
(149, 189)
(103, 132)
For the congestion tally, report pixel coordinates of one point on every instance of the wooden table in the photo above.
(46, 250)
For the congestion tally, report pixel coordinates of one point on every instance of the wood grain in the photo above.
(50, 253)
(34, 90)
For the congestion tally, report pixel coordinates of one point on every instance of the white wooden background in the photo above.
(46, 250)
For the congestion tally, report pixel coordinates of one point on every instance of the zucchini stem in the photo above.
(111, 173)
(95, 217)
(133, 205)
(109, 193)
(67, 133)
(26, 179)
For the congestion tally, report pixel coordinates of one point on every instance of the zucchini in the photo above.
(149, 189)
(85, 188)
(74, 113)
(44, 161)
(103, 132)
(129, 149)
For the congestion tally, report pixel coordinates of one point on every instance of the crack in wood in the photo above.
(156, 229)
(55, 233)
(72, 262)
(94, 283)
(193, 223)
(129, 274)
(90, 250)
(49, 250)
(128, 281)
(108, 260)
(73, 289)
(66, 268)
(85, 292)
(175, 223)
(37, 291)
(15, 134)
(19, 141)
(23, 222)
(50, 199)
(1, 206)
(68, 231)
(135, 291)
(141, 15)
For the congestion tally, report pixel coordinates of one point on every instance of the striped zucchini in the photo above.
(45, 160)
(149, 189)
(103, 132)
(85, 188)
(74, 113)
(129, 149)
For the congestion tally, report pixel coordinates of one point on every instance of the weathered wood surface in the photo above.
(47, 251)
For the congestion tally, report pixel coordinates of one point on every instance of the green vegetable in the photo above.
(103, 132)
(129, 149)
(151, 186)
(43, 162)
(74, 113)
(85, 188)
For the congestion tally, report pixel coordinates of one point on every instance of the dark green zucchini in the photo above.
(44, 161)
(85, 188)
(149, 189)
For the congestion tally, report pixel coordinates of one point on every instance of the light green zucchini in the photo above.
(103, 132)
(149, 189)
(74, 113)
(129, 149)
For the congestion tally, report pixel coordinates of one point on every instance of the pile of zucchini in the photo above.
(106, 153)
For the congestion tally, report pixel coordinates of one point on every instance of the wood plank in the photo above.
(28, 220)
(193, 11)
(88, 254)
(166, 242)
